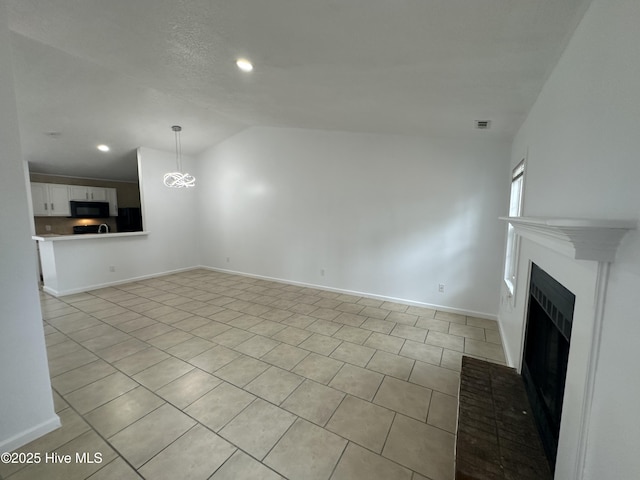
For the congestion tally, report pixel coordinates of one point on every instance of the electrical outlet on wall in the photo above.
(112, 268)
(441, 287)
(228, 259)
(322, 272)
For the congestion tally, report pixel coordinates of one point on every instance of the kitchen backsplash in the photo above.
(64, 226)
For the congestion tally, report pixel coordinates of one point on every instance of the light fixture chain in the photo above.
(176, 130)
(179, 153)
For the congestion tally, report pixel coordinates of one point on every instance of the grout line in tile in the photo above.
(278, 441)
(388, 432)
(426, 420)
(174, 441)
(378, 389)
(106, 440)
(344, 449)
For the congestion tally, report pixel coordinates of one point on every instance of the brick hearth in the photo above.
(497, 438)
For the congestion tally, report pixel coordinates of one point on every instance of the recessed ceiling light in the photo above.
(103, 148)
(244, 64)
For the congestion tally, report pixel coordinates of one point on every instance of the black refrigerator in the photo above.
(129, 220)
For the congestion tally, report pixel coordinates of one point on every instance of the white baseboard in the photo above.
(88, 288)
(29, 435)
(442, 308)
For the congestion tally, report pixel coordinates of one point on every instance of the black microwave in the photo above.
(89, 209)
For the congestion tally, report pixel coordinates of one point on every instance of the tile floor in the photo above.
(207, 375)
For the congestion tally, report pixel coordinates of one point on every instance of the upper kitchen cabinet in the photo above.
(50, 199)
(40, 199)
(96, 194)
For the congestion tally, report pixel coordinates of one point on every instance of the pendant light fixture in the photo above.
(179, 179)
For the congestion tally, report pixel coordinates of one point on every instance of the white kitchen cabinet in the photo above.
(50, 199)
(40, 199)
(98, 194)
(59, 198)
(80, 192)
(112, 198)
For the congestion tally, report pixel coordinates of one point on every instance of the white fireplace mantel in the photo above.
(594, 240)
(580, 239)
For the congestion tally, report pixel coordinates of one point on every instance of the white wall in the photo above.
(26, 404)
(583, 143)
(169, 217)
(384, 215)
(169, 213)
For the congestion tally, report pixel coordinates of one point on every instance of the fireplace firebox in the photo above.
(546, 353)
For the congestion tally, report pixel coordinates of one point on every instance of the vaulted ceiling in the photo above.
(121, 72)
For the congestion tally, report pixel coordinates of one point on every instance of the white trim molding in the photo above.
(580, 239)
(431, 306)
(600, 294)
(88, 288)
(30, 434)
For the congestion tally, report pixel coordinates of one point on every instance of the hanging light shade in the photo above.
(179, 179)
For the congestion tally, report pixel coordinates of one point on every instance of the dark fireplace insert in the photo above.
(546, 353)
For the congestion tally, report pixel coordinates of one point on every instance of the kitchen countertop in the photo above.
(54, 237)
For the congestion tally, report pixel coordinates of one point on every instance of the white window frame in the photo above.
(513, 241)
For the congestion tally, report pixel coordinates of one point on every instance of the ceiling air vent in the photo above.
(483, 124)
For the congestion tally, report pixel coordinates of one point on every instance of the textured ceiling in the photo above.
(122, 72)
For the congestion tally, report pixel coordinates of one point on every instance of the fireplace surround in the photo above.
(578, 254)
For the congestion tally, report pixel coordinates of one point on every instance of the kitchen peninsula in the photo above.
(66, 260)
